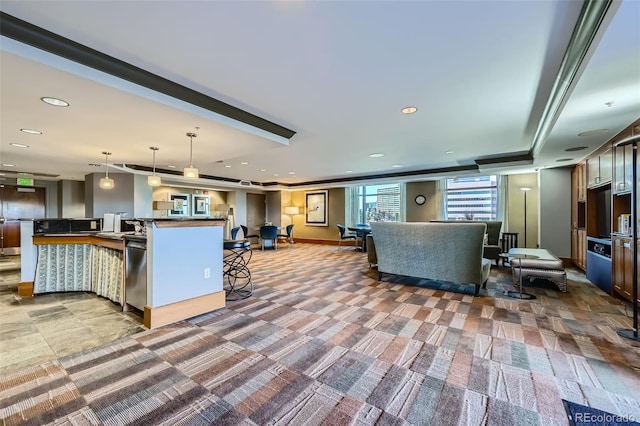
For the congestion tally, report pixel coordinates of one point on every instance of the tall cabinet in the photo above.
(578, 218)
(622, 241)
(601, 187)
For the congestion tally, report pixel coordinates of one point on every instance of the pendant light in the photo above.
(154, 180)
(106, 182)
(191, 172)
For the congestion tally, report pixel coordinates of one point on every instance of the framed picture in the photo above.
(180, 204)
(316, 208)
(200, 205)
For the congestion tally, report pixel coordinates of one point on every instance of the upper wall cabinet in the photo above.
(599, 167)
(623, 168)
(622, 159)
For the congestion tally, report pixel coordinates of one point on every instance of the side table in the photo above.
(519, 294)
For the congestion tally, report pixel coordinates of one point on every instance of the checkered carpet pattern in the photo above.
(322, 342)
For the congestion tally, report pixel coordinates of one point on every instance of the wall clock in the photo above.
(420, 199)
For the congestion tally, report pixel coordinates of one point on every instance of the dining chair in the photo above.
(234, 232)
(245, 232)
(269, 233)
(345, 236)
(288, 236)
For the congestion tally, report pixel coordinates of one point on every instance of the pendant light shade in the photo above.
(191, 172)
(106, 182)
(154, 180)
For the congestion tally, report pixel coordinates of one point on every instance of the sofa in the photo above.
(438, 251)
(492, 247)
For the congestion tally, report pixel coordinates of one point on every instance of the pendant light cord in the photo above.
(106, 163)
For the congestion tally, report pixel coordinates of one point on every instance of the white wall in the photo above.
(176, 260)
(555, 211)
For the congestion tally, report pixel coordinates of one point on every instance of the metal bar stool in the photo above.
(235, 270)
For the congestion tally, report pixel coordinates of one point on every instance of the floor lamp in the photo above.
(291, 211)
(525, 189)
(633, 333)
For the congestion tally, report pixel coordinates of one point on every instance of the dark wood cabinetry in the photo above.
(608, 167)
(600, 167)
(623, 169)
(623, 267)
(578, 216)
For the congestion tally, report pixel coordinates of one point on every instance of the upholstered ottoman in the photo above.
(547, 266)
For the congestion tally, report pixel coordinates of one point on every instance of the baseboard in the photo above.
(25, 289)
(325, 242)
(167, 314)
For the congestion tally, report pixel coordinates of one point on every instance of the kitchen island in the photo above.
(183, 266)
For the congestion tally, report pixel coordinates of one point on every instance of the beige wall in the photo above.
(336, 215)
(515, 202)
(429, 210)
(161, 193)
(426, 212)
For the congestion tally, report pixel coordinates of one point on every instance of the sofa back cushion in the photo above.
(442, 251)
(493, 228)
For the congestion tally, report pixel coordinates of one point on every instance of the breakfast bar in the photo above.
(182, 274)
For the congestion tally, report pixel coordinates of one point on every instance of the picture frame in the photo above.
(316, 208)
(201, 205)
(180, 204)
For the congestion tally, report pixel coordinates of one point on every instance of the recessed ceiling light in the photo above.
(226, 166)
(244, 163)
(19, 145)
(292, 173)
(397, 165)
(31, 131)
(263, 170)
(593, 132)
(171, 166)
(276, 174)
(564, 159)
(7, 165)
(409, 110)
(348, 171)
(54, 101)
(448, 152)
(376, 155)
(576, 148)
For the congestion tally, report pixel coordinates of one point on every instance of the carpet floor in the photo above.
(322, 342)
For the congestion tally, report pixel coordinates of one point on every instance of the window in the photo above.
(472, 198)
(378, 203)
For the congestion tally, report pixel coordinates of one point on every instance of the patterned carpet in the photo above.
(321, 341)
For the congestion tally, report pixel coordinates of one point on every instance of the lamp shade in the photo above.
(154, 180)
(106, 183)
(291, 210)
(191, 173)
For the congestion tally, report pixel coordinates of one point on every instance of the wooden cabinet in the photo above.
(580, 182)
(578, 215)
(623, 166)
(622, 279)
(579, 248)
(600, 167)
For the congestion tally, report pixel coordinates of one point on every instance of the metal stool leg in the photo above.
(236, 274)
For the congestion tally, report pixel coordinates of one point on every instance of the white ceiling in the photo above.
(335, 72)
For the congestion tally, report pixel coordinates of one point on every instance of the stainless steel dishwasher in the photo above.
(135, 282)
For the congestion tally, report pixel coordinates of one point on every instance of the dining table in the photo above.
(361, 232)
